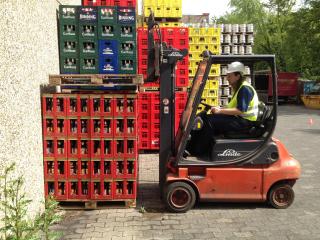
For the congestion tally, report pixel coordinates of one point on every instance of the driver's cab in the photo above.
(253, 145)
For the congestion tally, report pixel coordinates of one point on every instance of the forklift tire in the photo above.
(281, 196)
(180, 197)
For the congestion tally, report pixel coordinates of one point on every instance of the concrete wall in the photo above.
(28, 53)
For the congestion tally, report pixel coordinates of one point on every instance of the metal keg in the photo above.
(234, 49)
(248, 49)
(226, 49)
(227, 28)
(224, 70)
(227, 38)
(242, 38)
(250, 38)
(235, 39)
(235, 28)
(243, 28)
(250, 28)
(241, 50)
(246, 70)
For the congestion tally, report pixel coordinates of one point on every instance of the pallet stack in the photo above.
(201, 39)
(90, 121)
(97, 39)
(90, 146)
(168, 14)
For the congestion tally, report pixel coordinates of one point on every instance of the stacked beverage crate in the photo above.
(97, 39)
(121, 3)
(68, 39)
(236, 39)
(167, 14)
(201, 39)
(90, 146)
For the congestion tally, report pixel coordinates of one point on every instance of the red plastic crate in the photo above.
(79, 148)
(101, 168)
(101, 127)
(55, 147)
(79, 189)
(58, 188)
(101, 189)
(54, 105)
(124, 168)
(125, 189)
(122, 3)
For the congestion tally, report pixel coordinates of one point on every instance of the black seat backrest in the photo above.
(264, 113)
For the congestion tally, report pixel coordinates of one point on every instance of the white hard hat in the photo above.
(235, 67)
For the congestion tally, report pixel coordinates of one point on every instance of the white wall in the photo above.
(28, 54)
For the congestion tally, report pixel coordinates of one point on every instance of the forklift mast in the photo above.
(162, 60)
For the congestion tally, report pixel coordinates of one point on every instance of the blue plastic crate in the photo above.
(127, 15)
(88, 14)
(108, 65)
(108, 48)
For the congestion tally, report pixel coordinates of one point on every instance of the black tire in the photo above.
(281, 196)
(180, 197)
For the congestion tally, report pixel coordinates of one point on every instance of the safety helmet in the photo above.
(235, 67)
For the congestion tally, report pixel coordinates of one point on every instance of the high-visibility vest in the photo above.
(252, 113)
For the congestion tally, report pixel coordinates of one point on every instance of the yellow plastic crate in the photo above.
(215, 70)
(192, 72)
(194, 55)
(150, 2)
(195, 48)
(209, 31)
(194, 31)
(213, 84)
(175, 3)
(212, 101)
(207, 46)
(193, 40)
(176, 12)
(158, 11)
(146, 10)
(170, 24)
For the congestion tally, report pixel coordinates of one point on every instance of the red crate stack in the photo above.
(149, 117)
(90, 146)
(120, 3)
(177, 37)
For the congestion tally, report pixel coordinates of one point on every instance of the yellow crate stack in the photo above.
(201, 39)
(163, 8)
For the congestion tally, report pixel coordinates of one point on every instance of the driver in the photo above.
(242, 110)
(240, 113)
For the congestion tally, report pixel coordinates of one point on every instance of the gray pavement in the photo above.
(298, 128)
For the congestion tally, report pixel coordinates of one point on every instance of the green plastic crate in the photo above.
(107, 14)
(127, 48)
(89, 65)
(68, 13)
(69, 64)
(69, 47)
(88, 47)
(127, 64)
(107, 31)
(88, 31)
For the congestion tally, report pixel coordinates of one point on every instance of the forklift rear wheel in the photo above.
(281, 196)
(180, 197)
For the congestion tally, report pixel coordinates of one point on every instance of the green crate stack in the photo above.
(68, 39)
(107, 23)
(127, 60)
(88, 39)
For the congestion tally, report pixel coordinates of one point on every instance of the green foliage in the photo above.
(292, 35)
(14, 207)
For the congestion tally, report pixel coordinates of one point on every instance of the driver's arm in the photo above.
(226, 111)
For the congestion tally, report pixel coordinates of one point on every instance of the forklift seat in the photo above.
(258, 128)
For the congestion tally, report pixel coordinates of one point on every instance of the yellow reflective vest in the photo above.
(252, 113)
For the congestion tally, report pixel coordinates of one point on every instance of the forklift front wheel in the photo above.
(180, 197)
(281, 196)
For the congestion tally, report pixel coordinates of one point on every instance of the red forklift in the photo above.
(247, 166)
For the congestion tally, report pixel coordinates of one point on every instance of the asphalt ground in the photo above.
(297, 127)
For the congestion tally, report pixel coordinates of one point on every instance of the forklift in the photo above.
(246, 166)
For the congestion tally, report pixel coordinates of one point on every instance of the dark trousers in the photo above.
(214, 124)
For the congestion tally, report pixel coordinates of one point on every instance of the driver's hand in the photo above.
(215, 110)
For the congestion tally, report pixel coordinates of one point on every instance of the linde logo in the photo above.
(175, 54)
(87, 17)
(229, 153)
(126, 18)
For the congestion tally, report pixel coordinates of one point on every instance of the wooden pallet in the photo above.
(96, 204)
(96, 79)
